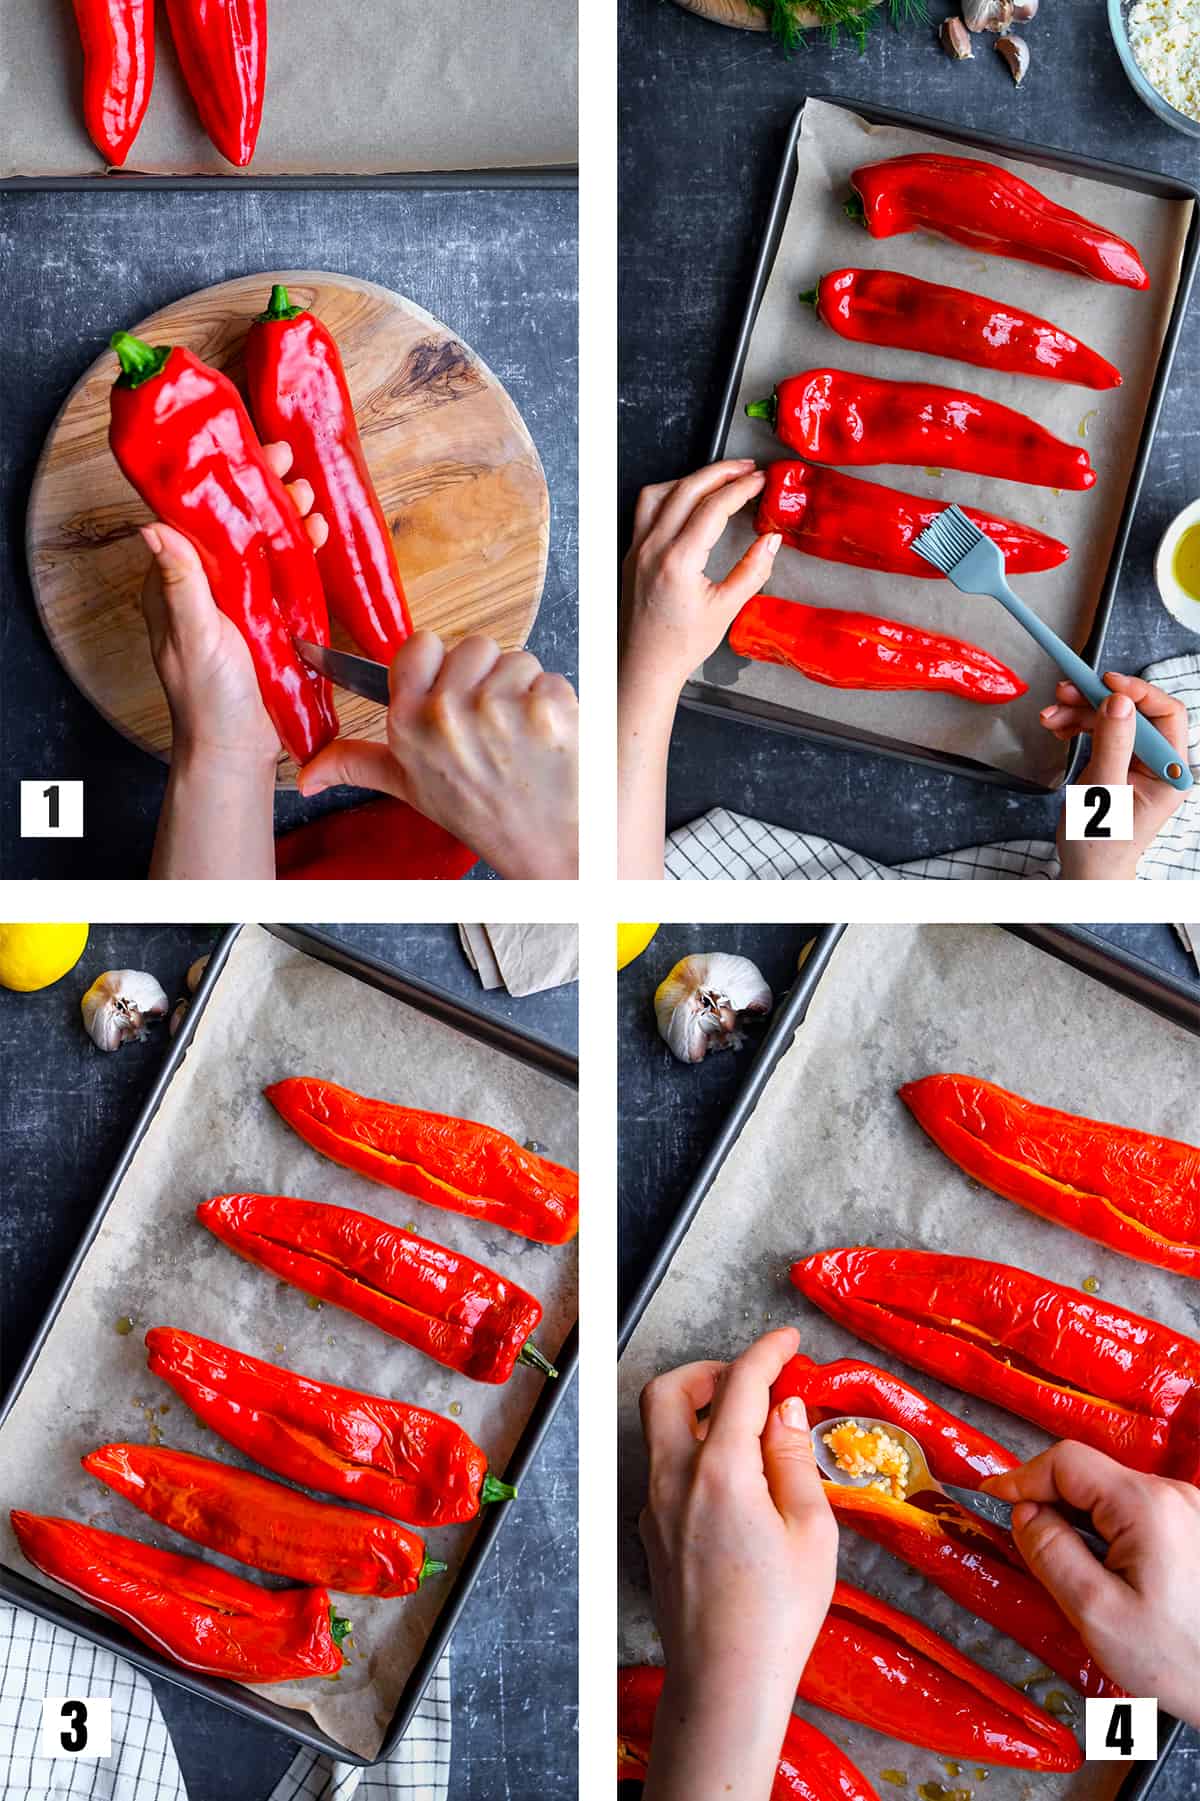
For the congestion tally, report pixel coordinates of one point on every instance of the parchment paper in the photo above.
(831, 1157)
(276, 1012)
(1124, 326)
(377, 87)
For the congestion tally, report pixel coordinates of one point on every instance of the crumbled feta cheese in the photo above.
(1164, 36)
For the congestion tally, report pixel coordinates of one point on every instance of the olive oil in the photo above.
(1185, 565)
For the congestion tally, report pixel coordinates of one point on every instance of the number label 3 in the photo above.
(1121, 1731)
(79, 1727)
(1099, 814)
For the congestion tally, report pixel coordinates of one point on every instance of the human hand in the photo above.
(1112, 762)
(1136, 1612)
(482, 741)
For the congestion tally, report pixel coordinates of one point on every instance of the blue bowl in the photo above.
(1150, 96)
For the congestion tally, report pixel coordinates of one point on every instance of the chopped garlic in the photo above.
(875, 1453)
(1164, 36)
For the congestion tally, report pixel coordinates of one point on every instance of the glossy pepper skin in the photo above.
(198, 1615)
(298, 395)
(990, 210)
(847, 520)
(901, 312)
(222, 50)
(404, 1461)
(118, 71)
(1073, 1363)
(184, 440)
(835, 416)
(862, 650)
(811, 1767)
(264, 1524)
(455, 1310)
(382, 840)
(1133, 1191)
(446, 1162)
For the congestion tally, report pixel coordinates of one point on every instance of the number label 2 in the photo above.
(1099, 814)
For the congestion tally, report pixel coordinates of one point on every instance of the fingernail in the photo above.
(794, 1414)
(772, 541)
(1118, 706)
(151, 540)
(1023, 1512)
(1049, 712)
(308, 786)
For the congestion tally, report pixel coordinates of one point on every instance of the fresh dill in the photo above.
(853, 17)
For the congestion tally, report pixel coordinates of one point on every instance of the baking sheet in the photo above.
(1127, 327)
(274, 1012)
(378, 87)
(896, 1003)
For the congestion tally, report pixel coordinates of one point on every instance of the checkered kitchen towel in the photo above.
(724, 846)
(38, 1659)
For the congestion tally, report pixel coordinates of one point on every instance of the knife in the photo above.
(359, 674)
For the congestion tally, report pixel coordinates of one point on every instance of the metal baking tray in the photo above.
(1128, 975)
(76, 1616)
(720, 702)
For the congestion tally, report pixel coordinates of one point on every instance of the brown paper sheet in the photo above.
(831, 1156)
(276, 1012)
(1124, 326)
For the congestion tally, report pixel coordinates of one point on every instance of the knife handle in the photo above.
(999, 1513)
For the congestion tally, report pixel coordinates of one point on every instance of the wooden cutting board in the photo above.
(456, 470)
(745, 15)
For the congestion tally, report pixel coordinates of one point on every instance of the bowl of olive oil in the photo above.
(1177, 567)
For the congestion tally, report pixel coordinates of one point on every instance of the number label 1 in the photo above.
(1123, 1731)
(51, 809)
(77, 1726)
(1099, 814)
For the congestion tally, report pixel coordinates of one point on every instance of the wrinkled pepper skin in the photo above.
(879, 1666)
(457, 1311)
(1133, 1191)
(453, 1163)
(382, 840)
(1073, 1363)
(902, 312)
(184, 440)
(847, 520)
(118, 71)
(264, 1524)
(196, 1614)
(811, 1767)
(837, 417)
(862, 650)
(222, 50)
(991, 210)
(404, 1461)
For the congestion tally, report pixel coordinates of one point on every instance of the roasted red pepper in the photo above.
(118, 71)
(811, 1767)
(834, 416)
(298, 395)
(901, 312)
(861, 650)
(382, 840)
(1075, 1364)
(991, 210)
(1133, 1191)
(198, 1615)
(400, 1460)
(222, 50)
(264, 1524)
(455, 1310)
(847, 520)
(184, 440)
(446, 1162)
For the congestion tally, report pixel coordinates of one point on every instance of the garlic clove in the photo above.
(178, 1015)
(701, 1004)
(987, 15)
(195, 974)
(956, 40)
(119, 1006)
(1023, 11)
(1015, 52)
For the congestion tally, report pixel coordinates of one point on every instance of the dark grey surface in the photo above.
(498, 266)
(65, 1112)
(669, 1114)
(704, 117)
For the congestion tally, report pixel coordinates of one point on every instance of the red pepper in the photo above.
(811, 1767)
(382, 840)
(400, 1460)
(991, 210)
(901, 312)
(847, 520)
(184, 440)
(861, 650)
(198, 1615)
(446, 1162)
(1133, 1191)
(833, 416)
(118, 71)
(264, 1524)
(1073, 1363)
(222, 50)
(455, 1310)
(298, 394)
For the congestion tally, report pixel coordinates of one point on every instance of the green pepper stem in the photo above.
(340, 1628)
(811, 296)
(495, 1490)
(139, 362)
(855, 210)
(280, 307)
(762, 409)
(432, 1567)
(530, 1354)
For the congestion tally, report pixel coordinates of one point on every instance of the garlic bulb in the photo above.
(119, 1005)
(701, 1004)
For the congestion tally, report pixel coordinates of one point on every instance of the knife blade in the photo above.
(359, 674)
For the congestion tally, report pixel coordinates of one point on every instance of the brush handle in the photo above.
(1160, 757)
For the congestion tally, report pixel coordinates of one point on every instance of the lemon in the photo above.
(632, 941)
(33, 956)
